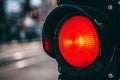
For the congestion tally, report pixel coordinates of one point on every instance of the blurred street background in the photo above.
(21, 53)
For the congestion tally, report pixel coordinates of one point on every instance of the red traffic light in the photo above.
(81, 39)
(78, 41)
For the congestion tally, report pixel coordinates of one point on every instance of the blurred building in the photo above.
(15, 13)
(53, 3)
(43, 10)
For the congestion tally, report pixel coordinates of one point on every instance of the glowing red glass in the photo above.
(78, 41)
(46, 43)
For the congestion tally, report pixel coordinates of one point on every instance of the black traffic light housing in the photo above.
(118, 35)
(102, 14)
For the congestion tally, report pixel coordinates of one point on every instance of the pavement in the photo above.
(26, 61)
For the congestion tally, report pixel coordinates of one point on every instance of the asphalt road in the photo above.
(26, 61)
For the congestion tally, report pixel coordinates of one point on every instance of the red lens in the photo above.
(78, 41)
(46, 43)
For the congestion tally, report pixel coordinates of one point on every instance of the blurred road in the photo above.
(26, 61)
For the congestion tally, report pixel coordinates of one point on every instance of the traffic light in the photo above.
(81, 36)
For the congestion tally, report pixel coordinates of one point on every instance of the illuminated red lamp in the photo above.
(47, 44)
(78, 41)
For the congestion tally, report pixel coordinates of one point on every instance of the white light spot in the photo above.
(29, 21)
(35, 3)
(18, 55)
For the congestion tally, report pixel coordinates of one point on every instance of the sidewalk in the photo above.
(10, 53)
